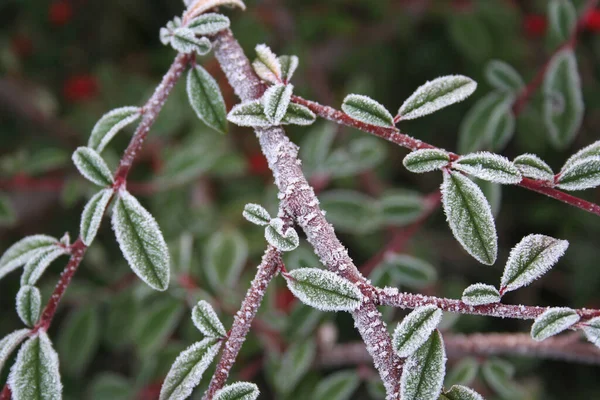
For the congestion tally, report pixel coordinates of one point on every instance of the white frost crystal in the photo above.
(92, 215)
(283, 241)
(423, 374)
(324, 290)
(141, 241)
(35, 374)
(426, 160)
(206, 99)
(470, 217)
(276, 101)
(297, 114)
(184, 40)
(580, 175)
(489, 167)
(591, 329)
(250, 113)
(289, 64)
(110, 124)
(29, 304)
(206, 320)
(197, 7)
(9, 343)
(367, 110)
(534, 167)
(187, 370)
(256, 214)
(92, 166)
(414, 329)
(552, 322)
(588, 151)
(238, 391)
(531, 258)
(38, 264)
(208, 24)
(503, 76)
(267, 65)
(22, 251)
(458, 392)
(437, 94)
(479, 294)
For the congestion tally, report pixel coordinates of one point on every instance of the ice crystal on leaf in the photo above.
(29, 304)
(367, 110)
(92, 215)
(426, 160)
(489, 167)
(281, 237)
(141, 241)
(38, 264)
(591, 329)
(534, 167)
(206, 320)
(298, 115)
(470, 217)
(206, 99)
(35, 374)
(184, 40)
(531, 258)
(198, 7)
(423, 373)
(289, 64)
(92, 166)
(267, 65)
(588, 151)
(437, 94)
(25, 249)
(276, 101)
(208, 24)
(238, 391)
(323, 290)
(414, 329)
(110, 124)
(503, 76)
(187, 370)
(9, 343)
(459, 392)
(166, 33)
(250, 113)
(552, 322)
(256, 214)
(479, 294)
(580, 175)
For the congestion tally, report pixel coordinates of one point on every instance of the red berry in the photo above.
(258, 164)
(80, 88)
(284, 300)
(60, 12)
(535, 25)
(592, 20)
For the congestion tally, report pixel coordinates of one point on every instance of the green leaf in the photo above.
(184, 40)
(281, 237)
(503, 77)
(110, 124)
(479, 294)
(297, 114)
(207, 321)
(190, 160)
(423, 373)
(414, 329)
(141, 241)
(256, 214)
(295, 363)
(531, 258)
(400, 208)
(323, 289)
(463, 372)
(437, 94)
(29, 305)
(110, 386)
(267, 65)
(350, 211)
(426, 160)
(9, 343)
(367, 110)
(461, 393)
(250, 113)
(78, 340)
(7, 211)
(315, 147)
(492, 192)
(498, 374)
(206, 99)
(588, 151)
(504, 131)
(226, 253)
(92, 166)
(562, 18)
(534, 167)
(490, 167)
(35, 374)
(208, 24)
(25, 249)
(552, 322)
(155, 324)
(238, 391)
(470, 217)
(590, 328)
(563, 101)
(276, 101)
(92, 215)
(289, 64)
(410, 271)
(187, 370)
(38, 264)
(337, 386)
(360, 155)
(471, 35)
(580, 175)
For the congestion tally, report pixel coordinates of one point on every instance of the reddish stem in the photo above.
(6, 393)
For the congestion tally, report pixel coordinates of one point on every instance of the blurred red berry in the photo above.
(60, 12)
(80, 88)
(592, 20)
(284, 300)
(535, 25)
(258, 164)
(21, 45)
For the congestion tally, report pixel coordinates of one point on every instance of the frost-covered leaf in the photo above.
(580, 175)
(297, 114)
(359, 155)
(256, 214)
(92, 215)
(588, 151)
(198, 7)
(350, 211)
(35, 374)
(276, 101)
(79, 338)
(208, 24)
(206, 320)
(410, 271)
(226, 253)
(29, 304)
(534, 167)
(563, 101)
(22, 251)
(91, 165)
(141, 241)
(400, 208)
(460, 393)
(289, 64)
(492, 192)
(267, 65)
(489, 166)
(323, 289)
(423, 373)
(250, 113)
(9, 343)
(436, 94)
(503, 76)
(206, 99)
(552, 322)
(8, 215)
(187, 369)
(426, 160)
(414, 329)
(38, 264)
(562, 17)
(295, 363)
(367, 110)
(531, 258)
(462, 373)
(281, 237)
(499, 376)
(238, 391)
(479, 294)
(337, 386)
(315, 147)
(184, 40)
(591, 329)
(470, 217)
(110, 124)
(504, 131)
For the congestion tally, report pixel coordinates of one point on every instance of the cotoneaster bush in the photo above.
(190, 320)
